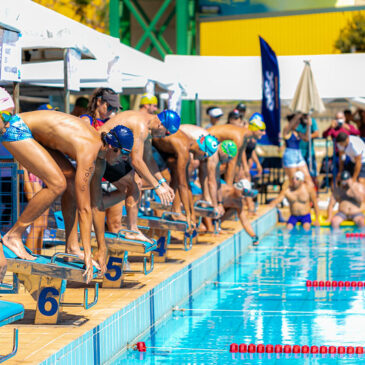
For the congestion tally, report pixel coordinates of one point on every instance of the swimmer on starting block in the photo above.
(40, 140)
(349, 194)
(176, 150)
(299, 195)
(143, 126)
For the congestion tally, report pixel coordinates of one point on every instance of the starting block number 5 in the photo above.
(113, 278)
(47, 296)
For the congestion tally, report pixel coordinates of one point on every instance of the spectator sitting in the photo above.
(215, 114)
(80, 106)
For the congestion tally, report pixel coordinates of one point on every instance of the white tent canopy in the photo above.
(239, 78)
(42, 27)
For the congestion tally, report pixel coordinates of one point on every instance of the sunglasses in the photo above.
(112, 109)
(6, 116)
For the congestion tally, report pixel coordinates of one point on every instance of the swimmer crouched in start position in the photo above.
(299, 195)
(39, 141)
(349, 194)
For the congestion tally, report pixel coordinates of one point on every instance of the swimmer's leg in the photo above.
(336, 221)
(38, 161)
(307, 226)
(359, 221)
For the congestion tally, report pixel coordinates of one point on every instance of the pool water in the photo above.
(263, 299)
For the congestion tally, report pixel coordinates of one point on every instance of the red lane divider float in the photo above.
(357, 235)
(141, 347)
(335, 284)
(296, 349)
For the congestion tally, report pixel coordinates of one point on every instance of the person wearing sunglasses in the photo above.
(143, 126)
(300, 195)
(104, 103)
(40, 141)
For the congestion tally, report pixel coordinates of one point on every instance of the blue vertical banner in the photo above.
(270, 107)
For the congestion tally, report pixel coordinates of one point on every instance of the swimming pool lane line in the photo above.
(255, 311)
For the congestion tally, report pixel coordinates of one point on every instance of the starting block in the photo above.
(45, 278)
(9, 313)
(118, 249)
(166, 226)
(204, 209)
(193, 237)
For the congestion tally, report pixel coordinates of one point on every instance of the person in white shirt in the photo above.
(354, 148)
(214, 114)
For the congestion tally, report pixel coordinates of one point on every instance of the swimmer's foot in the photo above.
(81, 255)
(138, 236)
(16, 245)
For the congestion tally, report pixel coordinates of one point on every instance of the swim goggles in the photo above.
(124, 151)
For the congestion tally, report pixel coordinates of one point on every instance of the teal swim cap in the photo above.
(229, 147)
(208, 144)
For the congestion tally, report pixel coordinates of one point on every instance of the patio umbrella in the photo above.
(306, 99)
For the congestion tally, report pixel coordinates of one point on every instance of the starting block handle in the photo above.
(96, 297)
(146, 272)
(200, 202)
(64, 254)
(15, 347)
(85, 303)
(169, 213)
(188, 245)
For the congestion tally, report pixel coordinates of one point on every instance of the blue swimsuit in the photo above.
(17, 131)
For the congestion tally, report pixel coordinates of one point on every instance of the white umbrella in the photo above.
(306, 99)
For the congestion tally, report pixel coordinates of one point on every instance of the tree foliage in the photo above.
(93, 13)
(352, 36)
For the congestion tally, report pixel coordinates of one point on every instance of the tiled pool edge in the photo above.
(105, 340)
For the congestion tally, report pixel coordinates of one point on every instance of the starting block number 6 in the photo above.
(47, 296)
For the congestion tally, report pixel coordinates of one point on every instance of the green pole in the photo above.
(114, 18)
(182, 34)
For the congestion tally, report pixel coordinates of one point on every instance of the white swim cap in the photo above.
(6, 101)
(242, 184)
(299, 175)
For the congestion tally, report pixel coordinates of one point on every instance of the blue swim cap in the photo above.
(208, 144)
(120, 137)
(170, 120)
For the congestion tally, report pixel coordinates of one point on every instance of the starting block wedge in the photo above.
(204, 209)
(166, 226)
(45, 278)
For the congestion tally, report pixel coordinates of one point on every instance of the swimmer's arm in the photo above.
(139, 165)
(96, 192)
(231, 167)
(341, 155)
(331, 205)
(84, 172)
(257, 162)
(314, 200)
(182, 166)
(292, 125)
(150, 161)
(211, 173)
(245, 164)
(278, 200)
(357, 167)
